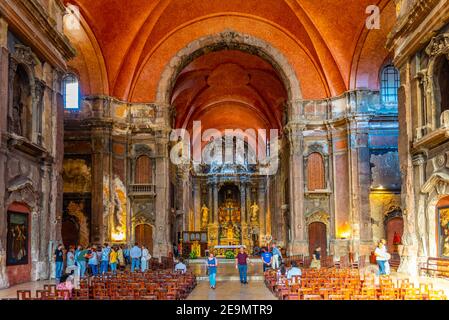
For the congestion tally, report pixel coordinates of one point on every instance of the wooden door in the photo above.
(144, 235)
(70, 232)
(317, 237)
(395, 225)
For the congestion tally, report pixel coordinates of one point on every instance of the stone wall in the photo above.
(30, 166)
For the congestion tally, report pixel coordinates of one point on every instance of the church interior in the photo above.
(198, 126)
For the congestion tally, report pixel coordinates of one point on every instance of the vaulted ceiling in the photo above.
(124, 47)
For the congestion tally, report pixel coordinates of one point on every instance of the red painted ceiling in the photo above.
(326, 42)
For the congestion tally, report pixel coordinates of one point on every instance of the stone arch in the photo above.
(322, 217)
(228, 40)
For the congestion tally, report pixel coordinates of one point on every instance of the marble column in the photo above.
(197, 205)
(409, 239)
(215, 197)
(210, 203)
(101, 174)
(4, 66)
(162, 244)
(360, 186)
(298, 243)
(261, 194)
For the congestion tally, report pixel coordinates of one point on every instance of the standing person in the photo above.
(136, 254)
(121, 258)
(277, 256)
(267, 259)
(113, 260)
(212, 264)
(105, 258)
(59, 261)
(93, 261)
(126, 255)
(387, 257)
(175, 250)
(70, 260)
(380, 257)
(241, 263)
(316, 259)
(145, 257)
(70, 257)
(80, 257)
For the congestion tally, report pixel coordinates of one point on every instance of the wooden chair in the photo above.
(24, 295)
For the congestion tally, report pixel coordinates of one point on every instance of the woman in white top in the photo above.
(387, 257)
(145, 257)
(380, 257)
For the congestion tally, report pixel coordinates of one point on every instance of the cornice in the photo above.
(27, 16)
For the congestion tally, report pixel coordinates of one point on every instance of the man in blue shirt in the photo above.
(136, 254)
(267, 259)
(105, 258)
(293, 271)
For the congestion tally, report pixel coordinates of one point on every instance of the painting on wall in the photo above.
(444, 232)
(77, 175)
(17, 239)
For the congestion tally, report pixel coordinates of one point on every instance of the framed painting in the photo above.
(17, 239)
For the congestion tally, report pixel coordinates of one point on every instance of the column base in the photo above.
(298, 247)
(4, 282)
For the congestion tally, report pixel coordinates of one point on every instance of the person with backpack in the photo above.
(93, 261)
(105, 258)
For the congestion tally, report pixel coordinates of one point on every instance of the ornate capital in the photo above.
(438, 45)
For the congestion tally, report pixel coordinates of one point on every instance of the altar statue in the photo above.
(204, 216)
(254, 210)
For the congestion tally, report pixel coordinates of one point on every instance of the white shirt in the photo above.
(146, 254)
(380, 254)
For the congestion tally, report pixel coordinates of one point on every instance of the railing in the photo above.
(143, 189)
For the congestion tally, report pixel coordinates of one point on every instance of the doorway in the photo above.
(317, 237)
(144, 235)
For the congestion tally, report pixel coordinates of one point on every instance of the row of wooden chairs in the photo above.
(347, 284)
(150, 285)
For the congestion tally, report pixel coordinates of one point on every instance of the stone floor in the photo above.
(228, 285)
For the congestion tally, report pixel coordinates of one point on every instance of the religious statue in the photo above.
(254, 212)
(204, 216)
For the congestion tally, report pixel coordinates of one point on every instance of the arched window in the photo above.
(315, 172)
(389, 85)
(71, 92)
(144, 170)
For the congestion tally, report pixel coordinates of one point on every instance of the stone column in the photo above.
(4, 66)
(261, 195)
(243, 201)
(210, 203)
(102, 177)
(298, 243)
(162, 228)
(359, 160)
(215, 197)
(409, 239)
(197, 204)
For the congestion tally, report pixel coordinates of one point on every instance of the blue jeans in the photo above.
(381, 264)
(94, 269)
(104, 266)
(82, 266)
(212, 279)
(144, 265)
(114, 267)
(59, 269)
(243, 270)
(135, 264)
